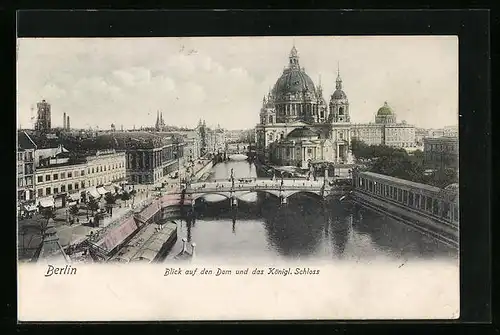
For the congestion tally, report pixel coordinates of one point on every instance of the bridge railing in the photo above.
(252, 187)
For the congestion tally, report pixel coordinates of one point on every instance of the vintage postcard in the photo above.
(237, 178)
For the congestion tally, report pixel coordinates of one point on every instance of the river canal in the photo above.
(305, 229)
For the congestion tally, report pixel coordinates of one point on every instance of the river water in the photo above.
(307, 228)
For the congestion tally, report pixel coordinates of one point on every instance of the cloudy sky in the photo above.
(100, 81)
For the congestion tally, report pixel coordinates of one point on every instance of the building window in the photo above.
(82, 173)
(47, 190)
(70, 174)
(55, 176)
(83, 184)
(70, 187)
(63, 175)
(56, 190)
(92, 170)
(76, 173)
(40, 192)
(47, 177)
(39, 179)
(76, 186)
(63, 188)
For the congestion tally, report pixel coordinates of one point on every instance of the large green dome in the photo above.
(385, 110)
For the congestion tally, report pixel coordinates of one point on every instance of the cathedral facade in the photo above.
(297, 126)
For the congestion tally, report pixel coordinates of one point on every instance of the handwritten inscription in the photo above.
(66, 270)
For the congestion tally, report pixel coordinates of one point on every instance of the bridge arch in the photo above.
(195, 196)
(316, 194)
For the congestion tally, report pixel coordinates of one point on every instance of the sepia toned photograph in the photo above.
(320, 172)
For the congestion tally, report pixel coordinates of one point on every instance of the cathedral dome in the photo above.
(385, 110)
(293, 81)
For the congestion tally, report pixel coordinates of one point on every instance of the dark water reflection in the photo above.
(305, 228)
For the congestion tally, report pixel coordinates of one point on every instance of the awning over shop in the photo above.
(101, 190)
(74, 196)
(30, 208)
(116, 186)
(46, 202)
(93, 192)
(109, 188)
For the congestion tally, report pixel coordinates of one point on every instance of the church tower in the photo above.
(339, 104)
(340, 122)
(322, 115)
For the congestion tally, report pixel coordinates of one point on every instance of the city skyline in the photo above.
(223, 80)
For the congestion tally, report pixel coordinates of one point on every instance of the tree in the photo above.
(93, 205)
(110, 201)
(125, 196)
(47, 213)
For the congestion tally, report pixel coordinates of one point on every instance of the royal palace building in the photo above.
(298, 127)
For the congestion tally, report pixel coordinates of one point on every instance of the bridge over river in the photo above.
(282, 188)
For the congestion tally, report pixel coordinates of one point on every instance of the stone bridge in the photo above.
(281, 189)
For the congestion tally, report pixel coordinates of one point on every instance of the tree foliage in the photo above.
(110, 199)
(396, 162)
(93, 204)
(125, 196)
(47, 213)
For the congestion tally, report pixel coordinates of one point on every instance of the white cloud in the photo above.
(104, 81)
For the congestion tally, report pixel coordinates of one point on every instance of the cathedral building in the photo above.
(298, 128)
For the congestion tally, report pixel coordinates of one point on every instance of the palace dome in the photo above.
(385, 110)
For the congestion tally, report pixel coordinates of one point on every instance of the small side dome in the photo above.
(385, 110)
(338, 95)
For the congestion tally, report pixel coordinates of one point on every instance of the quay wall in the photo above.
(205, 169)
(440, 230)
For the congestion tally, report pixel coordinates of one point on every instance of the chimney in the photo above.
(67, 123)
(64, 120)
